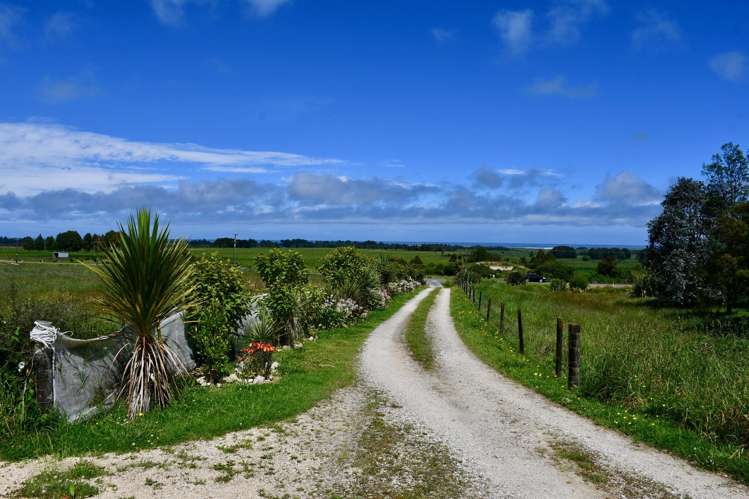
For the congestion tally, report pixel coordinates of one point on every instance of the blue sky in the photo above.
(493, 121)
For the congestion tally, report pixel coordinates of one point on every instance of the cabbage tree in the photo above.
(146, 278)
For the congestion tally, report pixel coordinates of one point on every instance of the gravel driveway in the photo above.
(521, 444)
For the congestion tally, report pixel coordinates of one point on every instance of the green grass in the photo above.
(417, 340)
(53, 484)
(645, 371)
(37, 275)
(308, 375)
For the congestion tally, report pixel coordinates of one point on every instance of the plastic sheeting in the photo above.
(84, 374)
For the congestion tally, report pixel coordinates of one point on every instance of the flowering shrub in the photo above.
(402, 286)
(257, 358)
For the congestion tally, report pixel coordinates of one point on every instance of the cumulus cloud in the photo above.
(567, 18)
(513, 178)
(325, 198)
(265, 8)
(627, 189)
(655, 28)
(515, 29)
(559, 86)
(730, 66)
(60, 25)
(325, 189)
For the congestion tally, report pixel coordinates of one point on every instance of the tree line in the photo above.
(69, 240)
(698, 247)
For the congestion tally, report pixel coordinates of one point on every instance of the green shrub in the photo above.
(283, 272)
(350, 275)
(222, 290)
(579, 281)
(514, 278)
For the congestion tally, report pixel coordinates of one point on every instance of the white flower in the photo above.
(21, 365)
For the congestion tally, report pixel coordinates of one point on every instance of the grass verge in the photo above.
(419, 343)
(308, 375)
(500, 353)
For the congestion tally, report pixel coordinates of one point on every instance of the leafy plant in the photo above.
(145, 279)
(283, 272)
(221, 286)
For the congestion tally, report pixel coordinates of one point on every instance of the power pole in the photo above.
(235, 249)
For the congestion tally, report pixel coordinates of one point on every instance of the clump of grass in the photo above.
(645, 371)
(54, 484)
(417, 340)
(583, 460)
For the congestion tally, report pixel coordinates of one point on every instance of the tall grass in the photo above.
(653, 361)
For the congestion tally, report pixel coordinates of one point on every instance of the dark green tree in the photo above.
(678, 244)
(27, 243)
(727, 175)
(69, 241)
(39, 242)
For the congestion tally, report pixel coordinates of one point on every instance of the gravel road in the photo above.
(520, 443)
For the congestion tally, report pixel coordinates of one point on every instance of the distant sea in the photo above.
(522, 245)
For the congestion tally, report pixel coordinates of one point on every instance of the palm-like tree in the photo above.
(146, 278)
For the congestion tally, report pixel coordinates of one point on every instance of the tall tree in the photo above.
(69, 241)
(727, 175)
(39, 242)
(678, 244)
(49, 243)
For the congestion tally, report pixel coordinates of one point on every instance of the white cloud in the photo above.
(236, 169)
(34, 153)
(560, 87)
(442, 35)
(731, 66)
(60, 25)
(656, 28)
(567, 17)
(626, 188)
(515, 28)
(265, 8)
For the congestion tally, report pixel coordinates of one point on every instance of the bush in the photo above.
(222, 289)
(607, 267)
(210, 340)
(283, 272)
(579, 282)
(349, 275)
(515, 278)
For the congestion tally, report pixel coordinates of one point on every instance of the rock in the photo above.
(259, 379)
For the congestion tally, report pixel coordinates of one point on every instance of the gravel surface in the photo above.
(514, 438)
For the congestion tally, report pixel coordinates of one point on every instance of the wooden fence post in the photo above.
(521, 340)
(558, 353)
(488, 308)
(501, 318)
(573, 356)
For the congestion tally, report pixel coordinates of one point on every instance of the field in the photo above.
(648, 371)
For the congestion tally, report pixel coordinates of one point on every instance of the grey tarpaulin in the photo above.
(82, 375)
